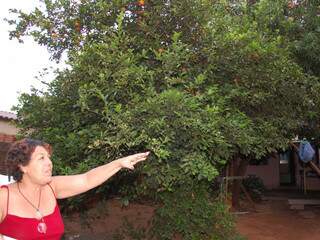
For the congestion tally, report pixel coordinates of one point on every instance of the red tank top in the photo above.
(26, 228)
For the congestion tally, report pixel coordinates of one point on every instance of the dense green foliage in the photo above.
(191, 212)
(226, 79)
(297, 23)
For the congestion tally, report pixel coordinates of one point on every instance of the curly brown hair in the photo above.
(20, 154)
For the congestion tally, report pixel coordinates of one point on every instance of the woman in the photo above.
(28, 207)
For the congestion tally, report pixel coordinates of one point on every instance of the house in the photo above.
(8, 132)
(285, 169)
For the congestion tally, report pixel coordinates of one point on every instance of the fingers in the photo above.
(139, 157)
(142, 156)
(131, 167)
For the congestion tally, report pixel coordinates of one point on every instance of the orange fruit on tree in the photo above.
(77, 25)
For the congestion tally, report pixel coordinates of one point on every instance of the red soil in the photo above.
(102, 221)
(272, 221)
(275, 221)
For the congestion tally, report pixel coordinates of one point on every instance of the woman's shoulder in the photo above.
(6, 187)
(5, 190)
(3, 193)
(3, 201)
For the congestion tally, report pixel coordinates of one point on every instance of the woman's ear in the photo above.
(22, 168)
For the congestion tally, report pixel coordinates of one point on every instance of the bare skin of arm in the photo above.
(3, 204)
(67, 186)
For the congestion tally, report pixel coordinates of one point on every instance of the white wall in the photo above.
(4, 180)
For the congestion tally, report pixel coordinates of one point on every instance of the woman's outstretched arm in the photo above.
(67, 186)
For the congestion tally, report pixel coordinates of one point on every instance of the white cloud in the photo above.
(20, 63)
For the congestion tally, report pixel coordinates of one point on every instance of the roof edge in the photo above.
(8, 115)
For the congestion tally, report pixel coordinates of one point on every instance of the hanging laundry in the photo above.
(306, 152)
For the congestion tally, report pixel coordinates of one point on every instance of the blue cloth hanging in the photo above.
(306, 152)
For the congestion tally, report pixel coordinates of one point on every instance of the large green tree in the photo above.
(199, 83)
(297, 23)
(261, 79)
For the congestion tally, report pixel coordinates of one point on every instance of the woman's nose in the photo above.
(49, 161)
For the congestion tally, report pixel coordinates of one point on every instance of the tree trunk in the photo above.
(240, 167)
(251, 2)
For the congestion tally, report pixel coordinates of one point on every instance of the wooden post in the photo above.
(248, 196)
(304, 179)
(232, 168)
(294, 146)
(227, 175)
(315, 167)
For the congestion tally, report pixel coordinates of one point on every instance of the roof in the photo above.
(8, 115)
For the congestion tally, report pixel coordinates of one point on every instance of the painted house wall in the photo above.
(268, 173)
(8, 132)
(7, 127)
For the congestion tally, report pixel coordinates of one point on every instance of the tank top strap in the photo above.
(5, 186)
(52, 191)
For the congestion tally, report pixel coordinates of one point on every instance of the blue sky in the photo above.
(20, 63)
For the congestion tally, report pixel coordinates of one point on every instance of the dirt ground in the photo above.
(273, 220)
(104, 221)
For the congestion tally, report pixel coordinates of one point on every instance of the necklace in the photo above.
(42, 227)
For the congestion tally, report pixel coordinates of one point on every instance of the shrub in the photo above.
(192, 213)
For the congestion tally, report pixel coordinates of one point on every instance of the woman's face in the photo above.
(39, 169)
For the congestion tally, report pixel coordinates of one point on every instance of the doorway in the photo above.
(286, 168)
